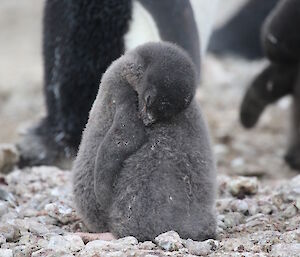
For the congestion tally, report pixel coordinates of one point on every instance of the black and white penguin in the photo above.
(81, 39)
(281, 77)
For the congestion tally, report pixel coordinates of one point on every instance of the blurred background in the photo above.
(21, 100)
(224, 80)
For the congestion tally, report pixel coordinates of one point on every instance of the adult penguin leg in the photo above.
(274, 82)
(80, 40)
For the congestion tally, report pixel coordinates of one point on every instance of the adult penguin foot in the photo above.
(40, 146)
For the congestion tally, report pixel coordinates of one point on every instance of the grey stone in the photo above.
(285, 250)
(233, 219)
(148, 245)
(242, 186)
(65, 244)
(75, 242)
(290, 211)
(239, 206)
(3, 208)
(201, 248)
(2, 239)
(100, 246)
(169, 241)
(10, 232)
(60, 211)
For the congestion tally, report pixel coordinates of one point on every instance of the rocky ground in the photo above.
(259, 196)
(254, 219)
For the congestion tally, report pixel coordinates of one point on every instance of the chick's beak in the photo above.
(147, 116)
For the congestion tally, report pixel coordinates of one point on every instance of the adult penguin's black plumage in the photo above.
(80, 40)
(281, 77)
(240, 35)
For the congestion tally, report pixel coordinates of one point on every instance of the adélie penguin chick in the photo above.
(145, 164)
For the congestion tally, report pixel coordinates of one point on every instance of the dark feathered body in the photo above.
(168, 184)
(240, 35)
(167, 177)
(281, 43)
(80, 40)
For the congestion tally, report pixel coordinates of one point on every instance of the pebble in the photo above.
(75, 241)
(2, 239)
(242, 186)
(35, 227)
(8, 158)
(238, 205)
(65, 244)
(232, 219)
(60, 211)
(201, 248)
(3, 208)
(46, 222)
(297, 203)
(6, 253)
(290, 211)
(50, 253)
(10, 232)
(291, 236)
(101, 247)
(147, 245)
(169, 241)
(285, 250)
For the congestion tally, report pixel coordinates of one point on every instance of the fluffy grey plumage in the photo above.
(145, 165)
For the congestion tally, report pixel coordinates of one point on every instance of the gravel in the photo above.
(43, 221)
(258, 205)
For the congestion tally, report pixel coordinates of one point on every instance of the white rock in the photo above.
(60, 211)
(35, 227)
(147, 245)
(50, 253)
(291, 191)
(297, 204)
(2, 239)
(129, 240)
(285, 250)
(169, 241)
(10, 232)
(290, 211)
(100, 246)
(201, 248)
(239, 206)
(6, 253)
(242, 186)
(252, 206)
(75, 242)
(232, 219)
(59, 244)
(3, 208)
(291, 236)
(223, 204)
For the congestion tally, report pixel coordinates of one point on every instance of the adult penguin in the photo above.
(80, 40)
(240, 35)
